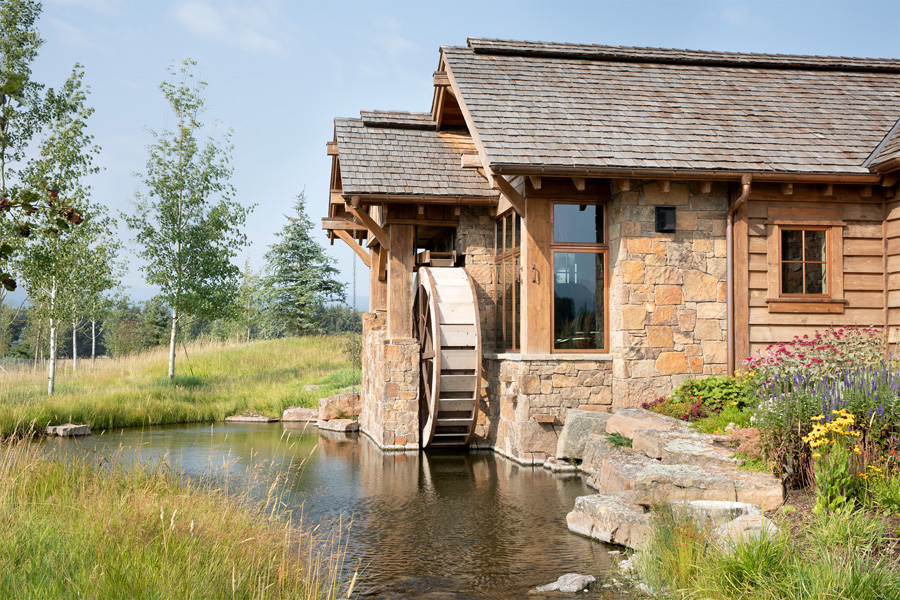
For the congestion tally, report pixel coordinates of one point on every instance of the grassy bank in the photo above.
(138, 531)
(852, 554)
(214, 381)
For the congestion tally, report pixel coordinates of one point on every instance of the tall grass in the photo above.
(846, 555)
(76, 530)
(214, 380)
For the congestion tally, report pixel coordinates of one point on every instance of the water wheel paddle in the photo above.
(449, 333)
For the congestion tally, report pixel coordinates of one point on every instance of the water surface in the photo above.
(423, 525)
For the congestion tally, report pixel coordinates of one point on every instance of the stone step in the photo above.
(627, 421)
(619, 471)
(596, 448)
(339, 425)
(657, 482)
(612, 518)
(579, 426)
(715, 513)
(68, 430)
(299, 414)
(684, 447)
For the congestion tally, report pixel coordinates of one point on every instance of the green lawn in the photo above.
(213, 381)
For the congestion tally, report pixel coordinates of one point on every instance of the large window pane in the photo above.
(815, 278)
(577, 224)
(792, 278)
(814, 246)
(578, 301)
(791, 245)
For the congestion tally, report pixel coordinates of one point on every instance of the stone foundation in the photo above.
(527, 399)
(390, 387)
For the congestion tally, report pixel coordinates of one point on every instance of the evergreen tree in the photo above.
(300, 277)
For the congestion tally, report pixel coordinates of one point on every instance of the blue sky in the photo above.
(279, 71)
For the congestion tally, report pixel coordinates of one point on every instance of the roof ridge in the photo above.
(397, 119)
(680, 56)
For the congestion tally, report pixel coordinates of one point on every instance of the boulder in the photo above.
(657, 482)
(627, 421)
(250, 419)
(568, 583)
(295, 414)
(559, 466)
(684, 447)
(597, 448)
(619, 471)
(744, 528)
(68, 430)
(613, 518)
(339, 425)
(580, 425)
(715, 512)
(342, 406)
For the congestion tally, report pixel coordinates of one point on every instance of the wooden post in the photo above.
(399, 282)
(537, 279)
(377, 288)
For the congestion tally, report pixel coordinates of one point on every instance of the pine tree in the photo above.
(300, 276)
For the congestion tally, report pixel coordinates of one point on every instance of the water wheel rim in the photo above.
(429, 355)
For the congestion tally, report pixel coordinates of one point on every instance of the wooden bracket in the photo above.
(470, 161)
(441, 79)
(579, 183)
(360, 251)
(664, 185)
(787, 189)
(382, 264)
(456, 210)
(890, 179)
(373, 227)
(706, 187)
(827, 189)
(535, 181)
(331, 148)
(515, 198)
(624, 184)
(865, 191)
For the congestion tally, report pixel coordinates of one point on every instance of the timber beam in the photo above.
(373, 227)
(509, 192)
(354, 245)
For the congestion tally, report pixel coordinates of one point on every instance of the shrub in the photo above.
(830, 351)
(698, 399)
(836, 468)
(619, 440)
(883, 491)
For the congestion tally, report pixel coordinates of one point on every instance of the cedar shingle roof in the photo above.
(402, 154)
(889, 148)
(577, 106)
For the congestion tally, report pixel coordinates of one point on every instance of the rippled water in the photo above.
(428, 525)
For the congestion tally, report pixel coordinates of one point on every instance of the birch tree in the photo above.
(186, 222)
(59, 268)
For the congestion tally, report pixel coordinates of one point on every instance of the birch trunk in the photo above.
(172, 345)
(74, 345)
(93, 342)
(51, 376)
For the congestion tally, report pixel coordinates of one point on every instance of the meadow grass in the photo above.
(74, 529)
(213, 380)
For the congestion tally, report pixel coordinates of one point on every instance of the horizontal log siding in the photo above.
(863, 262)
(892, 243)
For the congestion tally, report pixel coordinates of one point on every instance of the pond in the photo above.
(427, 525)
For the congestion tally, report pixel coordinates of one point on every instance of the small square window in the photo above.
(804, 268)
(665, 219)
(577, 224)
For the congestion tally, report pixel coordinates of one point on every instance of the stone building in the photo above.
(576, 226)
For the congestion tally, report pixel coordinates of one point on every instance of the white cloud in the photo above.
(246, 27)
(70, 34)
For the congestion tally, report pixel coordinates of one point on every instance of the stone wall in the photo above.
(527, 400)
(667, 290)
(475, 241)
(390, 387)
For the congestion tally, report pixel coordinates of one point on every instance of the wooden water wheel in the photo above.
(449, 333)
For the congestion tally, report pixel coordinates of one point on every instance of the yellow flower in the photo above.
(817, 418)
(734, 403)
(863, 476)
(857, 450)
(817, 454)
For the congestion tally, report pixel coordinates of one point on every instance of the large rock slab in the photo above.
(684, 447)
(715, 513)
(342, 406)
(68, 430)
(619, 471)
(744, 528)
(250, 419)
(339, 425)
(300, 414)
(580, 425)
(612, 518)
(596, 449)
(627, 421)
(657, 482)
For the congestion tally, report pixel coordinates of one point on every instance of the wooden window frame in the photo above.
(502, 255)
(806, 219)
(582, 248)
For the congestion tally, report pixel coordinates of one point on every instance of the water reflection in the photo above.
(439, 525)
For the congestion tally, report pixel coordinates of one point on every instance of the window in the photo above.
(507, 288)
(804, 264)
(805, 252)
(579, 250)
